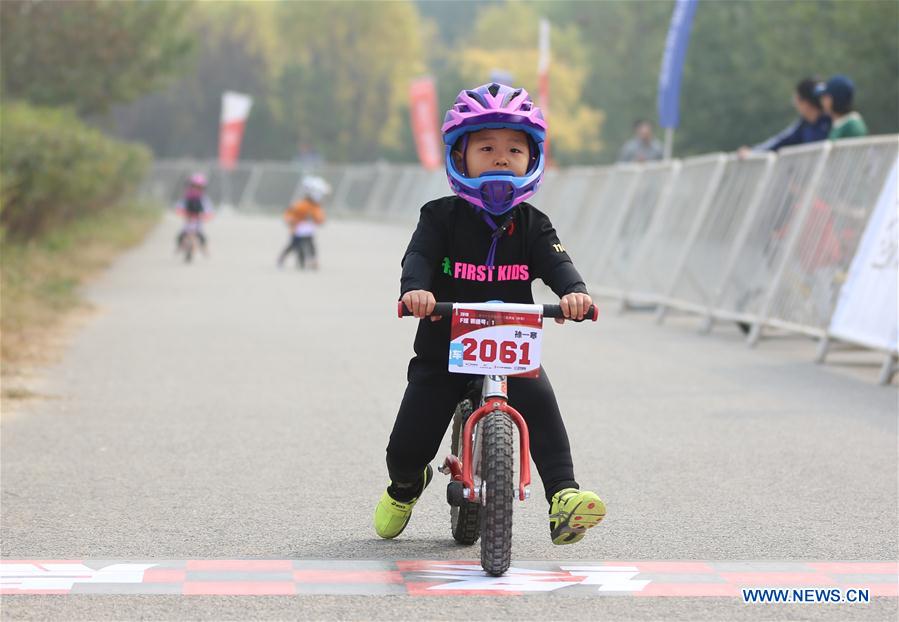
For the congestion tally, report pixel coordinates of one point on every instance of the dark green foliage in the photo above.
(53, 169)
(330, 75)
(183, 119)
(743, 62)
(748, 57)
(334, 74)
(89, 54)
(625, 41)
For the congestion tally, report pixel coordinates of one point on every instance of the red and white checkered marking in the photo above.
(436, 578)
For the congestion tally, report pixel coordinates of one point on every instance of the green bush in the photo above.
(54, 168)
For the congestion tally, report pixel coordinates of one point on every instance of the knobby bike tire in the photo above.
(464, 519)
(497, 444)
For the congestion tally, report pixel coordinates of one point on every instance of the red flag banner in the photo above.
(235, 110)
(423, 110)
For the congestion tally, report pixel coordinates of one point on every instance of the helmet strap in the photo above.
(498, 232)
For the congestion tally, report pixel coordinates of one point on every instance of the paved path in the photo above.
(228, 410)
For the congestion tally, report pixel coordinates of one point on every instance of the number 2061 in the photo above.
(487, 351)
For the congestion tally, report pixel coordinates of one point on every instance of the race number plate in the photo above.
(489, 338)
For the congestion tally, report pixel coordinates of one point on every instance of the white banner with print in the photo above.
(867, 310)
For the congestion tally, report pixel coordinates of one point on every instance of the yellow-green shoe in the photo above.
(392, 516)
(572, 512)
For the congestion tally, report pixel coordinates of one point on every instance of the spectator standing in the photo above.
(643, 147)
(836, 97)
(812, 125)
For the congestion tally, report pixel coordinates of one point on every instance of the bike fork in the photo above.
(494, 397)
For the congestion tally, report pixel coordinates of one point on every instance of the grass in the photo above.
(39, 279)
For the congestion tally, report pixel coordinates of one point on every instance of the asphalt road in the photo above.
(228, 409)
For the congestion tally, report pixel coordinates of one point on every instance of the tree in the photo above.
(333, 75)
(238, 49)
(574, 127)
(743, 62)
(346, 89)
(453, 19)
(623, 44)
(90, 54)
(746, 57)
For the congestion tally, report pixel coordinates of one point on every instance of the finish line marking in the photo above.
(255, 577)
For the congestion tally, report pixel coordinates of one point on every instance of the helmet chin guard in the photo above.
(497, 196)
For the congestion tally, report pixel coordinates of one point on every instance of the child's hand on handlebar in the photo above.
(420, 303)
(574, 306)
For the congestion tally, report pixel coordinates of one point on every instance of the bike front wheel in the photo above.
(497, 492)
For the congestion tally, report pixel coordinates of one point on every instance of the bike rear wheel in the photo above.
(497, 492)
(464, 519)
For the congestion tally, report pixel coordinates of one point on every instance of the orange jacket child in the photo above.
(302, 211)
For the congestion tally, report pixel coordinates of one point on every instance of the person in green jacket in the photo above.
(836, 98)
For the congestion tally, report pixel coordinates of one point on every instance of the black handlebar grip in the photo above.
(552, 311)
(441, 308)
(555, 311)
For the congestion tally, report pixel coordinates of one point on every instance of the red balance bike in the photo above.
(492, 341)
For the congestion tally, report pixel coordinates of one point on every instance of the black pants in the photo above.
(303, 245)
(427, 410)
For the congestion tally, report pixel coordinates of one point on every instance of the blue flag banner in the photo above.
(673, 62)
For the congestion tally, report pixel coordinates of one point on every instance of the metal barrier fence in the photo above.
(765, 241)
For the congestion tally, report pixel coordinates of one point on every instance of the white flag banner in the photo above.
(235, 107)
(867, 310)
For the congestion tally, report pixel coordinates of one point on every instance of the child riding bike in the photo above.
(484, 244)
(195, 207)
(303, 218)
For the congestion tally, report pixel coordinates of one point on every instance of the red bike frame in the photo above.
(462, 472)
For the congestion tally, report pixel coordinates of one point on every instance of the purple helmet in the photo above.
(198, 180)
(494, 106)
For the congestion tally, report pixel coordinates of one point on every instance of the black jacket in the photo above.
(448, 257)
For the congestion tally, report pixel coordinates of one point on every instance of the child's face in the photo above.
(497, 150)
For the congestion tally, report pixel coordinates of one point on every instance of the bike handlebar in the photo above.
(553, 311)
